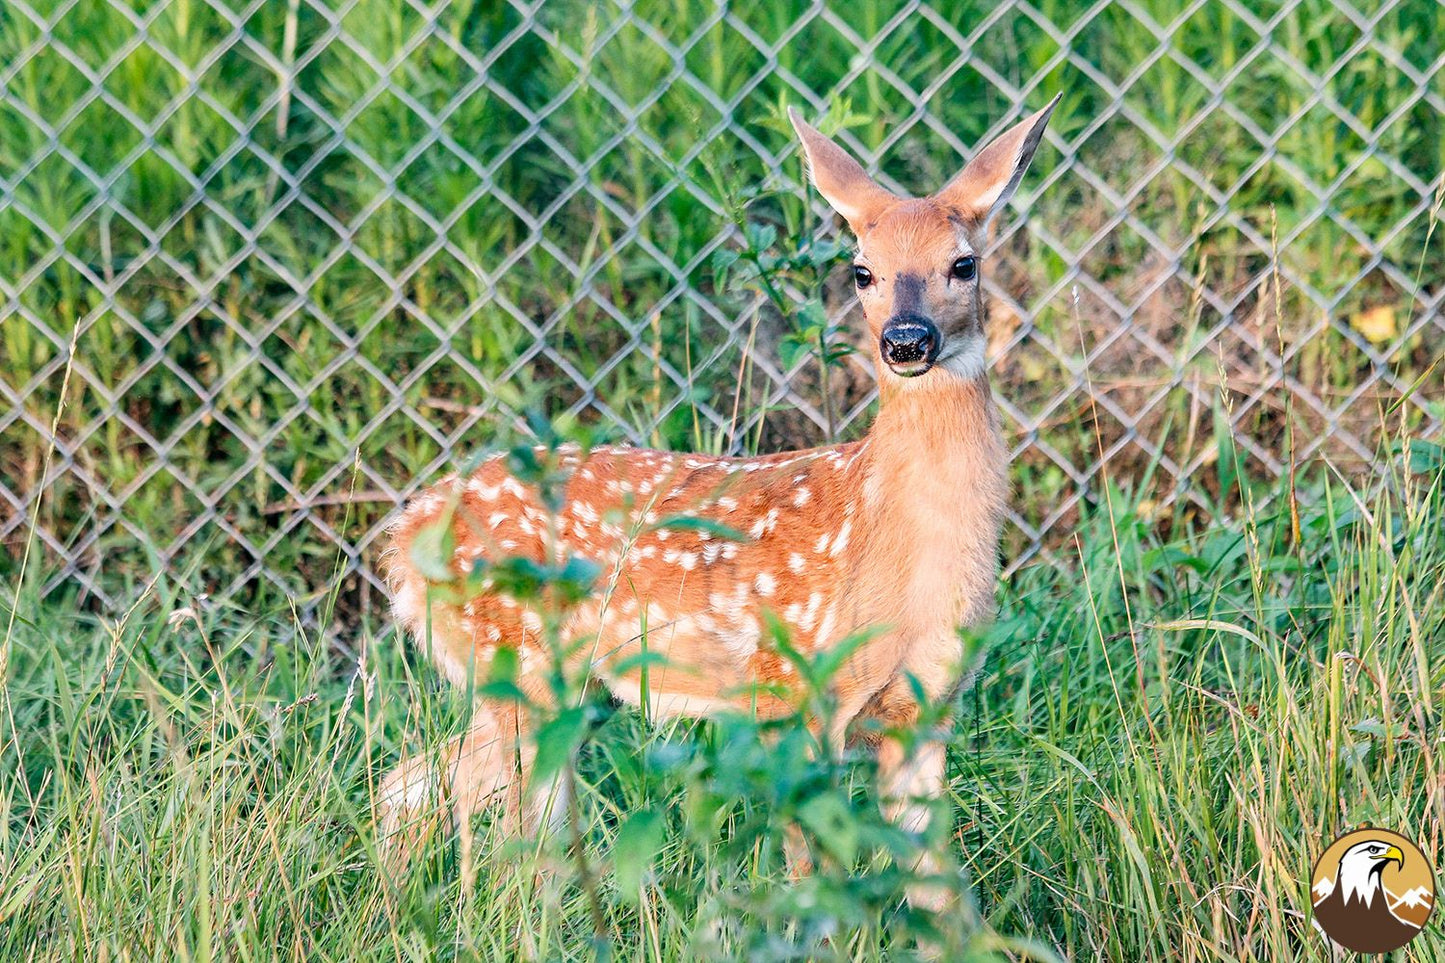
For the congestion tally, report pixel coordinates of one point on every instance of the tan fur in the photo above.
(898, 531)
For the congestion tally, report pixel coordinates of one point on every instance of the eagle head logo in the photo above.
(1372, 891)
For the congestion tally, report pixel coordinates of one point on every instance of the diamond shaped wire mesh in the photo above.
(284, 263)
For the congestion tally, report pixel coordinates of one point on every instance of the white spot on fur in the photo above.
(741, 641)
(409, 794)
(825, 628)
(841, 542)
(765, 584)
(801, 498)
(795, 563)
(486, 493)
(810, 614)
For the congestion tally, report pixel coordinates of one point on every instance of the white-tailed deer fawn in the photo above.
(898, 531)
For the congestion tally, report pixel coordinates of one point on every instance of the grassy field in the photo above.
(1162, 738)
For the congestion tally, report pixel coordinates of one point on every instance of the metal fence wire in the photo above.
(285, 262)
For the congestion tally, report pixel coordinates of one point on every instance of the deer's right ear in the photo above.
(839, 178)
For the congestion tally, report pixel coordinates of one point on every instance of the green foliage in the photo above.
(1161, 737)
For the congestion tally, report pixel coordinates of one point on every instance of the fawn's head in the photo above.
(918, 261)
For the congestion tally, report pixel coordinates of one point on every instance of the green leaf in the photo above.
(432, 548)
(827, 663)
(502, 677)
(502, 690)
(574, 580)
(638, 842)
(698, 524)
(828, 819)
(761, 236)
(523, 464)
(792, 349)
(1169, 556)
(505, 665)
(813, 318)
(1424, 457)
(724, 258)
(636, 662)
(1226, 466)
(558, 738)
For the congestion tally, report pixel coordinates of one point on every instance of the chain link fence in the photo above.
(266, 268)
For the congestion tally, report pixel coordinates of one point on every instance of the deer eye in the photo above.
(965, 268)
(862, 276)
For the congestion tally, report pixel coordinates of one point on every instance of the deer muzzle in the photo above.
(909, 345)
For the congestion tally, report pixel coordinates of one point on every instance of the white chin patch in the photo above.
(965, 357)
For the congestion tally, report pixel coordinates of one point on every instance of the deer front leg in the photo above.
(483, 762)
(908, 782)
(911, 775)
(491, 761)
(830, 736)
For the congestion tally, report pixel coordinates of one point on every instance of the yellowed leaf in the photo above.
(1376, 324)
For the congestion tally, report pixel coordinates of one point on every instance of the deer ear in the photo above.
(988, 181)
(839, 178)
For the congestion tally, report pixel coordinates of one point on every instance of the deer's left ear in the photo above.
(990, 179)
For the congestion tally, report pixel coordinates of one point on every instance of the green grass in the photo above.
(212, 354)
(1161, 739)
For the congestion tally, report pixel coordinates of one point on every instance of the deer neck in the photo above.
(935, 489)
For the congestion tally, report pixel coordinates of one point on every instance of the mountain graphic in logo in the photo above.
(1372, 890)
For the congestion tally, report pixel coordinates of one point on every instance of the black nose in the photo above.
(908, 341)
